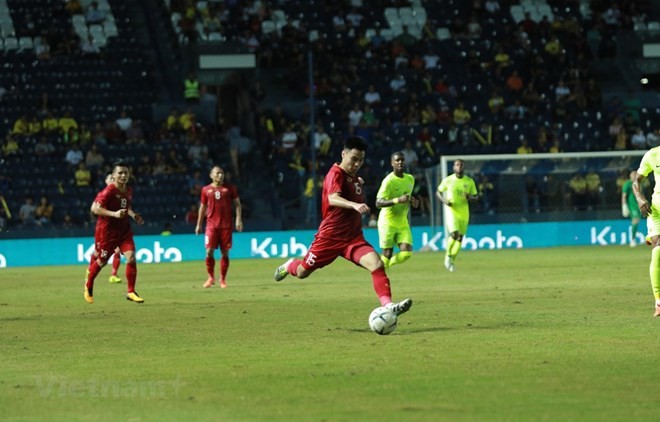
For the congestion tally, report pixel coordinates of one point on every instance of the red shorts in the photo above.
(105, 246)
(323, 251)
(218, 238)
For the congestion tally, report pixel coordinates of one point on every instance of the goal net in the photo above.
(516, 188)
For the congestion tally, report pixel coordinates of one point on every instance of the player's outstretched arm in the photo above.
(336, 200)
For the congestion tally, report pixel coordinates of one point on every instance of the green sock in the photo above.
(655, 272)
(385, 260)
(633, 230)
(450, 246)
(456, 247)
(401, 257)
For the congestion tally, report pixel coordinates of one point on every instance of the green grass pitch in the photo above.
(563, 334)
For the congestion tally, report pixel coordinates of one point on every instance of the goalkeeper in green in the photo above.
(630, 209)
(394, 198)
(455, 192)
(651, 163)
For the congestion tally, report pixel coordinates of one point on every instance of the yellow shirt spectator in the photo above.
(83, 176)
(67, 122)
(35, 127)
(186, 120)
(21, 126)
(50, 124)
(461, 115)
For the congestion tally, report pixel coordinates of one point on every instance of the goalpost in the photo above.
(538, 187)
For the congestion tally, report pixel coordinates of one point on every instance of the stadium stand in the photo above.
(520, 68)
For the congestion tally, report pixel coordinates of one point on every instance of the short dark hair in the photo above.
(356, 142)
(119, 163)
(399, 153)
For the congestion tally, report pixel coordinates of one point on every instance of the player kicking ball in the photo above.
(340, 232)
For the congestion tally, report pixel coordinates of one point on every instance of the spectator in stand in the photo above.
(461, 115)
(124, 121)
(10, 147)
(44, 148)
(191, 89)
(173, 123)
(621, 140)
(88, 48)
(74, 155)
(83, 176)
(198, 152)
(431, 60)
(135, 134)
(67, 122)
(192, 214)
(411, 158)
(27, 212)
(21, 126)
(68, 222)
(496, 103)
(372, 97)
(355, 115)
(524, 147)
(195, 185)
(516, 111)
(638, 139)
(44, 212)
(42, 50)
(398, 84)
(322, 140)
(94, 159)
(578, 192)
(653, 138)
(593, 188)
(514, 83)
(94, 15)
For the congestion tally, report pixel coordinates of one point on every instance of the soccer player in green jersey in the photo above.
(394, 199)
(454, 192)
(629, 208)
(651, 163)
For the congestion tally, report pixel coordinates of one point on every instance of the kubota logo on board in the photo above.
(143, 255)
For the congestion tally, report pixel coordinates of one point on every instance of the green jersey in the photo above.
(394, 187)
(627, 190)
(457, 190)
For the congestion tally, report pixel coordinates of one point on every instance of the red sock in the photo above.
(131, 275)
(93, 270)
(224, 266)
(210, 266)
(293, 267)
(116, 260)
(382, 286)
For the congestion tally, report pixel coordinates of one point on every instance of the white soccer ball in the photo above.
(382, 321)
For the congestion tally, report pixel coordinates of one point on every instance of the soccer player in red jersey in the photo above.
(116, 258)
(340, 232)
(113, 230)
(216, 204)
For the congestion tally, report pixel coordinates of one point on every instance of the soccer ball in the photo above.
(382, 321)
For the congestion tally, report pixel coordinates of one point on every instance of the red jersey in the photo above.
(341, 223)
(112, 199)
(218, 202)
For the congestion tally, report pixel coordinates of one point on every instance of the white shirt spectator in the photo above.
(638, 140)
(431, 60)
(492, 6)
(372, 97)
(354, 116)
(74, 156)
(653, 138)
(398, 84)
(354, 18)
(124, 121)
(289, 139)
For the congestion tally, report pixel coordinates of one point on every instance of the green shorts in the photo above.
(391, 236)
(456, 223)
